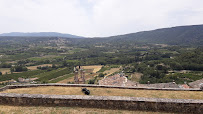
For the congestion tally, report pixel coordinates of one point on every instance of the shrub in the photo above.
(101, 75)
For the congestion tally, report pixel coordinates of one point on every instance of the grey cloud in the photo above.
(97, 17)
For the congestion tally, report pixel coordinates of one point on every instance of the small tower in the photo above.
(83, 77)
(76, 77)
(79, 75)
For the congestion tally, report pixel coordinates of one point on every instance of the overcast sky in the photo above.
(93, 18)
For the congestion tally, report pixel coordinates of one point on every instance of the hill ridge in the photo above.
(40, 34)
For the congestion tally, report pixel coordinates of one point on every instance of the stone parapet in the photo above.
(104, 102)
(97, 86)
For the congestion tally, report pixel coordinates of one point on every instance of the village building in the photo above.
(117, 80)
(184, 86)
(28, 80)
(196, 84)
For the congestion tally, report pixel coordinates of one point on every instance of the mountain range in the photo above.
(176, 35)
(185, 35)
(40, 34)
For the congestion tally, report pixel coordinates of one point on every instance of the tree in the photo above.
(53, 66)
(5, 65)
(18, 69)
(101, 75)
(91, 81)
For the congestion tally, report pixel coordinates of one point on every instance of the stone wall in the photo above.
(106, 102)
(4, 88)
(99, 86)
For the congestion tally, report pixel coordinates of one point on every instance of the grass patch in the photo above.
(63, 110)
(61, 78)
(104, 68)
(15, 76)
(5, 70)
(180, 78)
(53, 74)
(109, 92)
(46, 57)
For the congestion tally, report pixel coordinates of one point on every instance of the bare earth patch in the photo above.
(5, 70)
(95, 67)
(35, 67)
(111, 71)
(71, 79)
(109, 92)
(136, 76)
(63, 110)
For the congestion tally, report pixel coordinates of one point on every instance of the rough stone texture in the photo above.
(4, 88)
(196, 84)
(201, 86)
(107, 102)
(164, 85)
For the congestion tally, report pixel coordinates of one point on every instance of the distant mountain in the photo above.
(181, 35)
(40, 34)
(176, 35)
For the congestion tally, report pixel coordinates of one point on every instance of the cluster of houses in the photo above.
(121, 80)
(23, 81)
(117, 80)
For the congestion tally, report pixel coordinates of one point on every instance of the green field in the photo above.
(15, 76)
(52, 74)
(66, 76)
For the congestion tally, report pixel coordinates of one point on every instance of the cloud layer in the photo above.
(97, 17)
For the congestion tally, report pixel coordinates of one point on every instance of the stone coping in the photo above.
(95, 86)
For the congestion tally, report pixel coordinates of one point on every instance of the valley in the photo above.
(52, 59)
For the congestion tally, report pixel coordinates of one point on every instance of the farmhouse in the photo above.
(28, 80)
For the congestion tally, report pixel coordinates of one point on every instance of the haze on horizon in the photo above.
(97, 18)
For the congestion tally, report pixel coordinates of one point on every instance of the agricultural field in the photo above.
(95, 68)
(15, 76)
(63, 79)
(92, 72)
(135, 77)
(111, 71)
(109, 92)
(70, 79)
(154, 61)
(54, 74)
(5, 70)
(46, 57)
(35, 67)
(41, 76)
